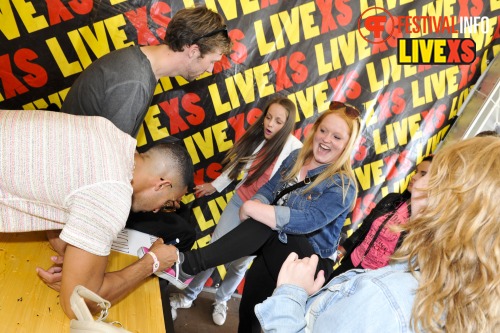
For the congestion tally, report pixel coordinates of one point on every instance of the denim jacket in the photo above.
(356, 301)
(319, 213)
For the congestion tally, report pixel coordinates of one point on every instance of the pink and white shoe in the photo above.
(176, 277)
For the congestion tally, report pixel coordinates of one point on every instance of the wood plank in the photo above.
(28, 305)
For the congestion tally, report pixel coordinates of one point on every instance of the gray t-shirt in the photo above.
(118, 86)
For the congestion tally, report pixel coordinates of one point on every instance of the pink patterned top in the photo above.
(384, 246)
(60, 171)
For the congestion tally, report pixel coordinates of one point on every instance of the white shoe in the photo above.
(220, 312)
(179, 301)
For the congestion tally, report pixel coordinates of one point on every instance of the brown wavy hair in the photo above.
(188, 24)
(453, 245)
(242, 151)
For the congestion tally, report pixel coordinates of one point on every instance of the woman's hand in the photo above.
(204, 189)
(300, 273)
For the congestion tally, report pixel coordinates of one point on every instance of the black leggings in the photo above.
(253, 238)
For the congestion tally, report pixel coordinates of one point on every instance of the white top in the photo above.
(59, 171)
(292, 143)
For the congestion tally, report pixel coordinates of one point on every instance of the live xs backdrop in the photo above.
(408, 66)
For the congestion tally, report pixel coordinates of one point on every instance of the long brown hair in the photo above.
(242, 151)
(453, 244)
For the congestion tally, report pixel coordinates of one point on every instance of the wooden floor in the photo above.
(198, 318)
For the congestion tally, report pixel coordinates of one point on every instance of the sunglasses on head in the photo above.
(350, 110)
(212, 33)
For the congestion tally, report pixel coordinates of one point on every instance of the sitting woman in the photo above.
(373, 243)
(301, 209)
(445, 274)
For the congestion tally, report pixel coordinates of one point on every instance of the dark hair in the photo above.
(242, 151)
(428, 158)
(177, 158)
(189, 24)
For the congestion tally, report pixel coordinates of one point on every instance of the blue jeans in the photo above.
(236, 270)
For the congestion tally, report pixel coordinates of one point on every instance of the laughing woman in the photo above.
(301, 209)
(446, 274)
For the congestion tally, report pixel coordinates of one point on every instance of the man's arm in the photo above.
(84, 268)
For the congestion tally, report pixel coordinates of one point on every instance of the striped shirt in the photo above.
(59, 171)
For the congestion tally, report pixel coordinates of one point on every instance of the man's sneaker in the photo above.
(220, 312)
(178, 301)
(176, 277)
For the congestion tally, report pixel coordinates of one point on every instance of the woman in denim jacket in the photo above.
(306, 220)
(445, 277)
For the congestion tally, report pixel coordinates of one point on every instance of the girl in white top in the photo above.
(258, 155)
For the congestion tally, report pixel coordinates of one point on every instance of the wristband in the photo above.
(156, 263)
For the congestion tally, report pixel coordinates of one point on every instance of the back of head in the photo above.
(172, 157)
(198, 25)
(456, 240)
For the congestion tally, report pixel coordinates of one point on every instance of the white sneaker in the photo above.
(220, 312)
(179, 301)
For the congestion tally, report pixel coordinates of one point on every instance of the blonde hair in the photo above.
(342, 165)
(454, 242)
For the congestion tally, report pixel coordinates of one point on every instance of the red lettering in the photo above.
(171, 108)
(265, 4)
(434, 119)
(475, 10)
(453, 54)
(282, 80)
(467, 73)
(300, 71)
(37, 75)
(383, 102)
(240, 52)
(238, 124)
(157, 12)
(139, 20)
(221, 65)
(345, 16)
(253, 115)
(390, 103)
(212, 171)
(353, 88)
(57, 12)
(327, 21)
(390, 163)
(362, 151)
(302, 133)
(196, 113)
(81, 7)
(350, 87)
(363, 207)
(398, 100)
(12, 86)
(468, 50)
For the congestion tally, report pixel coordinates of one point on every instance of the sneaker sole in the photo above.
(177, 283)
